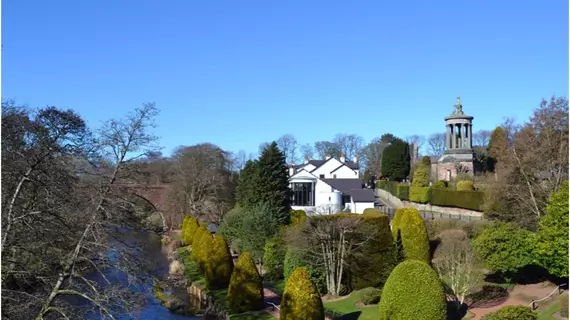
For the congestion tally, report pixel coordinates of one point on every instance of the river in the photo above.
(151, 248)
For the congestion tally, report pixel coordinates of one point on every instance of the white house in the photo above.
(328, 186)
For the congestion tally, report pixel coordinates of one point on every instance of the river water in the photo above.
(151, 249)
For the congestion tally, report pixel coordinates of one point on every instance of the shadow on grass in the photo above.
(489, 296)
(456, 312)
(347, 316)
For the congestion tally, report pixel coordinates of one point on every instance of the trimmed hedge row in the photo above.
(435, 195)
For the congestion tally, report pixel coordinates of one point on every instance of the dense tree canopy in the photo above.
(396, 161)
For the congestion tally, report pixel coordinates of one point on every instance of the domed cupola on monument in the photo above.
(459, 156)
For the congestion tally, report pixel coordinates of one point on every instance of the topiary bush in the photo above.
(246, 287)
(201, 249)
(512, 313)
(465, 185)
(301, 299)
(413, 291)
(196, 243)
(371, 265)
(219, 264)
(370, 211)
(370, 295)
(414, 237)
(440, 184)
(421, 177)
(190, 230)
(420, 194)
(295, 259)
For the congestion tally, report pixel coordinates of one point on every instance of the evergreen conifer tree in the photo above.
(246, 287)
(396, 160)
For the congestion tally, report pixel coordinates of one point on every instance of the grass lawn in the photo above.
(345, 309)
(253, 315)
(277, 286)
(547, 314)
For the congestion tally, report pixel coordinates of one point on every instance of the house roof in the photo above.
(212, 227)
(317, 163)
(362, 195)
(344, 185)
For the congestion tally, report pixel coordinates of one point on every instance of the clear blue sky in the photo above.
(238, 73)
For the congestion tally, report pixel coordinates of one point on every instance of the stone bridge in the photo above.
(157, 196)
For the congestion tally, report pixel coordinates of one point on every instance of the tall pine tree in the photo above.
(396, 160)
(266, 181)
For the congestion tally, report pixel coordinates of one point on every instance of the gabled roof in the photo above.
(344, 185)
(362, 195)
(317, 163)
(307, 173)
(348, 165)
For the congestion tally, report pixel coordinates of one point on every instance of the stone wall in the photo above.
(397, 203)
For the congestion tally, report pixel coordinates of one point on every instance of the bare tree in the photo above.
(239, 160)
(332, 240)
(322, 148)
(436, 144)
(418, 140)
(457, 264)
(307, 151)
(481, 138)
(371, 156)
(64, 215)
(203, 182)
(288, 145)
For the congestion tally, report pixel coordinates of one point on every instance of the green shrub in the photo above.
(472, 200)
(246, 287)
(426, 161)
(392, 188)
(440, 184)
(301, 299)
(297, 217)
(413, 291)
(421, 177)
(370, 211)
(465, 185)
(372, 263)
(396, 221)
(420, 194)
(294, 259)
(552, 246)
(196, 243)
(381, 184)
(274, 256)
(505, 248)
(190, 230)
(403, 192)
(201, 248)
(512, 313)
(413, 233)
(564, 304)
(219, 264)
(370, 295)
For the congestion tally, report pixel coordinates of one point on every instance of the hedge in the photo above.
(413, 291)
(392, 187)
(420, 194)
(246, 287)
(219, 264)
(472, 200)
(440, 184)
(370, 211)
(381, 184)
(421, 177)
(512, 313)
(413, 232)
(404, 192)
(371, 265)
(190, 230)
(301, 299)
(465, 185)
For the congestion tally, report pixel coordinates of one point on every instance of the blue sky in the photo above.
(238, 73)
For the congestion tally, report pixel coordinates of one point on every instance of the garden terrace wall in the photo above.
(383, 194)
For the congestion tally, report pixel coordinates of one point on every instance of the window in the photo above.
(322, 176)
(303, 194)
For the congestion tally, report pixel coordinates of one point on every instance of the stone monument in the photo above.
(459, 156)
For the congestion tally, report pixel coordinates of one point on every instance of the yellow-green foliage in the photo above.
(184, 223)
(421, 177)
(191, 228)
(297, 217)
(196, 243)
(205, 246)
(219, 264)
(396, 221)
(246, 287)
(301, 299)
(465, 185)
(419, 194)
(413, 232)
(413, 291)
(370, 211)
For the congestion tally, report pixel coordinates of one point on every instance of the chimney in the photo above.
(306, 160)
(355, 159)
(342, 158)
(292, 169)
(327, 156)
